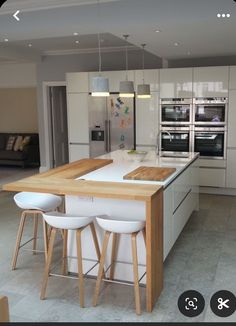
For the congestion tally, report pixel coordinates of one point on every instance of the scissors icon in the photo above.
(222, 303)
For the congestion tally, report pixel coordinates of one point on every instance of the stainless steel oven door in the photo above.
(175, 140)
(210, 143)
(176, 111)
(211, 112)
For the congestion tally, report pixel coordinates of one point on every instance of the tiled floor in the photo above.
(12, 173)
(203, 258)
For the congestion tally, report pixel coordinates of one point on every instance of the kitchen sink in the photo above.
(175, 155)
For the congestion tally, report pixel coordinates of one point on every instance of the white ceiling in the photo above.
(49, 25)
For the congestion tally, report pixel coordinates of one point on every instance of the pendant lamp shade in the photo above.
(126, 86)
(100, 86)
(143, 90)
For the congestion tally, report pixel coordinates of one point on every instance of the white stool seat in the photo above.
(120, 226)
(37, 201)
(67, 221)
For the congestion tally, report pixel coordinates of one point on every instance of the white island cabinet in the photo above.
(180, 199)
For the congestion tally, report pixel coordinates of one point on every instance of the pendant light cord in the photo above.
(143, 45)
(126, 56)
(99, 40)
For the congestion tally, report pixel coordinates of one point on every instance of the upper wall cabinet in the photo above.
(210, 81)
(232, 77)
(151, 76)
(176, 82)
(77, 82)
(114, 78)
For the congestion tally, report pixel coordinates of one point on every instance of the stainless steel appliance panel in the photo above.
(176, 111)
(180, 140)
(210, 142)
(210, 111)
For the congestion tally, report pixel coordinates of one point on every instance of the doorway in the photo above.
(58, 122)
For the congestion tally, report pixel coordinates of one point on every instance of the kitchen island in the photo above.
(96, 186)
(180, 199)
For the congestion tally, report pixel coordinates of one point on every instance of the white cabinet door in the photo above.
(231, 169)
(212, 177)
(77, 152)
(232, 119)
(176, 82)
(210, 81)
(114, 78)
(147, 120)
(78, 122)
(151, 77)
(77, 82)
(232, 77)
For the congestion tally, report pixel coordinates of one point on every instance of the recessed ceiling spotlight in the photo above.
(218, 15)
(157, 30)
(77, 42)
(6, 40)
(29, 45)
(223, 15)
(75, 33)
(176, 44)
(228, 15)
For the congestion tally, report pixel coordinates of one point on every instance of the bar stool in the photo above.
(116, 227)
(59, 221)
(33, 204)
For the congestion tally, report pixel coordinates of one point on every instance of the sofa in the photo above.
(27, 156)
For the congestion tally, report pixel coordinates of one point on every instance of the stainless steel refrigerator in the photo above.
(111, 124)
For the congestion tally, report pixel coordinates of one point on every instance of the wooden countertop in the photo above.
(62, 181)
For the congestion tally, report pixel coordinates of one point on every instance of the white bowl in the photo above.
(137, 156)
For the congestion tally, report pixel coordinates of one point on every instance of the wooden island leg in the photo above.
(154, 249)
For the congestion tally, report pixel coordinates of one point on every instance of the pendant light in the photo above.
(143, 90)
(100, 84)
(126, 86)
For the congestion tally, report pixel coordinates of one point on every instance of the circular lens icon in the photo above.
(223, 303)
(191, 303)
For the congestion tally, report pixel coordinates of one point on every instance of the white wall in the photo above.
(18, 75)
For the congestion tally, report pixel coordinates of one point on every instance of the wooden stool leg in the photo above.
(101, 267)
(18, 240)
(136, 277)
(144, 235)
(64, 255)
(80, 268)
(48, 263)
(113, 255)
(45, 238)
(95, 240)
(36, 222)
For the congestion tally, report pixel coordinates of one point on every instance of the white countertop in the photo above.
(123, 164)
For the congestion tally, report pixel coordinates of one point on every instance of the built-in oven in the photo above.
(210, 142)
(175, 139)
(210, 111)
(176, 111)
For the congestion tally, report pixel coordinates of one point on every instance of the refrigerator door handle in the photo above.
(109, 136)
(106, 136)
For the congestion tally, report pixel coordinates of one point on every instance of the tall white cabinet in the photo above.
(210, 81)
(77, 115)
(231, 147)
(176, 83)
(147, 114)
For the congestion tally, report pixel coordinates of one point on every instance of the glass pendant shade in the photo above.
(143, 91)
(126, 89)
(100, 86)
